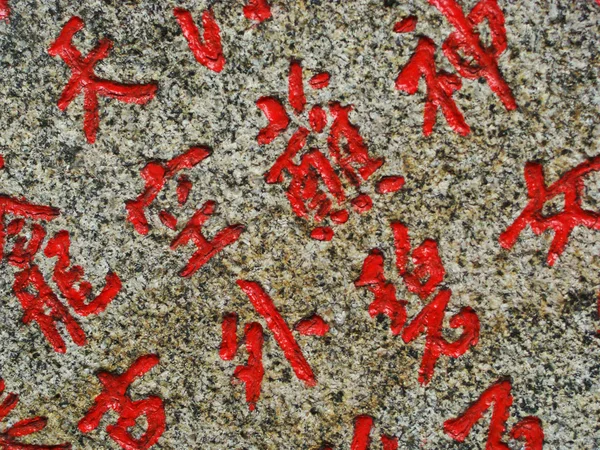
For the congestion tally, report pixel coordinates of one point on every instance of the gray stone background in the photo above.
(538, 324)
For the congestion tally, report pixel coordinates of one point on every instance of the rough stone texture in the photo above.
(538, 323)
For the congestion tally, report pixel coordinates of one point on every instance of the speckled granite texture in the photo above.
(538, 323)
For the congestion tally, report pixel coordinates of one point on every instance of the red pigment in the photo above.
(264, 306)
(1, 157)
(21, 254)
(228, 347)
(428, 271)
(373, 278)
(168, 219)
(571, 185)
(252, 373)
(257, 10)
(362, 430)
(339, 217)
(362, 203)
(499, 398)
(389, 184)
(429, 322)
(192, 233)
(83, 79)
(113, 397)
(276, 115)
(184, 186)
(406, 25)
(312, 326)
(440, 87)
(320, 80)
(69, 279)
(322, 234)
(44, 308)
(155, 175)
(317, 117)
(208, 51)
(295, 87)
(4, 10)
(356, 153)
(465, 50)
(25, 427)
(389, 442)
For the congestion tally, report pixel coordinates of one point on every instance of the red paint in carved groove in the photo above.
(264, 306)
(276, 115)
(1, 157)
(4, 10)
(320, 80)
(362, 430)
(228, 347)
(440, 87)
(69, 280)
(480, 61)
(155, 175)
(114, 397)
(253, 372)
(429, 321)
(22, 428)
(389, 442)
(296, 95)
(390, 184)
(168, 219)
(21, 256)
(312, 326)
(44, 308)
(362, 203)
(83, 79)
(184, 186)
(208, 52)
(406, 25)
(356, 153)
(499, 395)
(192, 233)
(257, 10)
(571, 185)
(339, 217)
(428, 270)
(317, 117)
(322, 234)
(372, 277)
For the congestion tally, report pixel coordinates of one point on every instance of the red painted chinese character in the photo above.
(257, 10)
(9, 437)
(440, 87)
(252, 373)
(312, 169)
(210, 52)
(571, 185)
(113, 397)
(83, 79)
(499, 398)
(466, 51)
(430, 320)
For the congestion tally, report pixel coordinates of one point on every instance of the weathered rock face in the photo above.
(538, 322)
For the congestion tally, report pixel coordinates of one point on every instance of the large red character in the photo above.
(83, 79)
(114, 397)
(572, 186)
(10, 435)
(499, 398)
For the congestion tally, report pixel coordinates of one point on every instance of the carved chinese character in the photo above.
(83, 78)
(114, 397)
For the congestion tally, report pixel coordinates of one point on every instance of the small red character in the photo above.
(25, 427)
(464, 47)
(440, 87)
(257, 10)
(210, 52)
(113, 397)
(529, 429)
(83, 79)
(251, 374)
(571, 185)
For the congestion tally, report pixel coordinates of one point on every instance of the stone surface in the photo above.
(538, 323)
